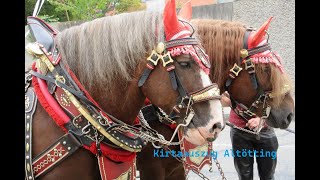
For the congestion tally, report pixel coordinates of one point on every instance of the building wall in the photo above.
(282, 28)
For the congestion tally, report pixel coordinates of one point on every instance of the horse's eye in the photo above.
(185, 64)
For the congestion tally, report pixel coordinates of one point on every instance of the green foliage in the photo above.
(48, 18)
(47, 9)
(127, 5)
(73, 10)
(80, 9)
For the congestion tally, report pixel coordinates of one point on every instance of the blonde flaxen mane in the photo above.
(108, 49)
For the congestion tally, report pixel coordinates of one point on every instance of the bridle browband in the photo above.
(262, 96)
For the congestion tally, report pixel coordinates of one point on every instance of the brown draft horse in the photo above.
(223, 40)
(108, 56)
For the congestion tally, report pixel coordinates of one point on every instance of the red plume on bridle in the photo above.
(172, 26)
(186, 11)
(175, 29)
(257, 37)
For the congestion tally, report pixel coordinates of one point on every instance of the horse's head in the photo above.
(179, 83)
(258, 80)
(272, 83)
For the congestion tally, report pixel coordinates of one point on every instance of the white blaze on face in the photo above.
(197, 136)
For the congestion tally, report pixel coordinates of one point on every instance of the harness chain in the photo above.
(201, 175)
(145, 123)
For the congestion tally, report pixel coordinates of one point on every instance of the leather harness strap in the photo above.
(30, 107)
(240, 109)
(56, 153)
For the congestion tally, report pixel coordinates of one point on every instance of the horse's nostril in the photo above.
(217, 125)
(290, 117)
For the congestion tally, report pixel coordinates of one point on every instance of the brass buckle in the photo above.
(60, 79)
(235, 70)
(166, 59)
(154, 57)
(249, 66)
(249, 113)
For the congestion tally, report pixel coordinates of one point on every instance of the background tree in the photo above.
(129, 6)
(72, 10)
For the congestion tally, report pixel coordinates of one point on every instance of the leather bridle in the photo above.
(262, 96)
(185, 100)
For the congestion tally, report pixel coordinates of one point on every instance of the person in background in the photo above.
(244, 141)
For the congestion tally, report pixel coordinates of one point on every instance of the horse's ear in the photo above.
(186, 11)
(172, 27)
(258, 36)
(170, 18)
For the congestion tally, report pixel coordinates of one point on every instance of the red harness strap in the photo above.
(110, 170)
(58, 115)
(194, 162)
(125, 166)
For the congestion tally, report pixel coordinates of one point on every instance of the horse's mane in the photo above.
(108, 49)
(222, 41)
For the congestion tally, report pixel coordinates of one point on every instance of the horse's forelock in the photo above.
(222, 41)
(108, 49)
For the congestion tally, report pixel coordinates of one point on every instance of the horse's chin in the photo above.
(276, 123)
(197, 137)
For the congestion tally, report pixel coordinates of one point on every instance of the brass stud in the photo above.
(126, 143)
(27, 157)
(99, 127)
(27, 147)
(28, 117)
(64, 142)
(69, 148)
(28, 126)
(243, 53)
(30, 177)
(28, 167)
(160, 47)
(27, 136)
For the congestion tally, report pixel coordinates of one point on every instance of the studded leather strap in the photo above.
(30, 106)
(56, 153)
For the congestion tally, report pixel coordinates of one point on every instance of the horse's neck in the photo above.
(123, 101)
